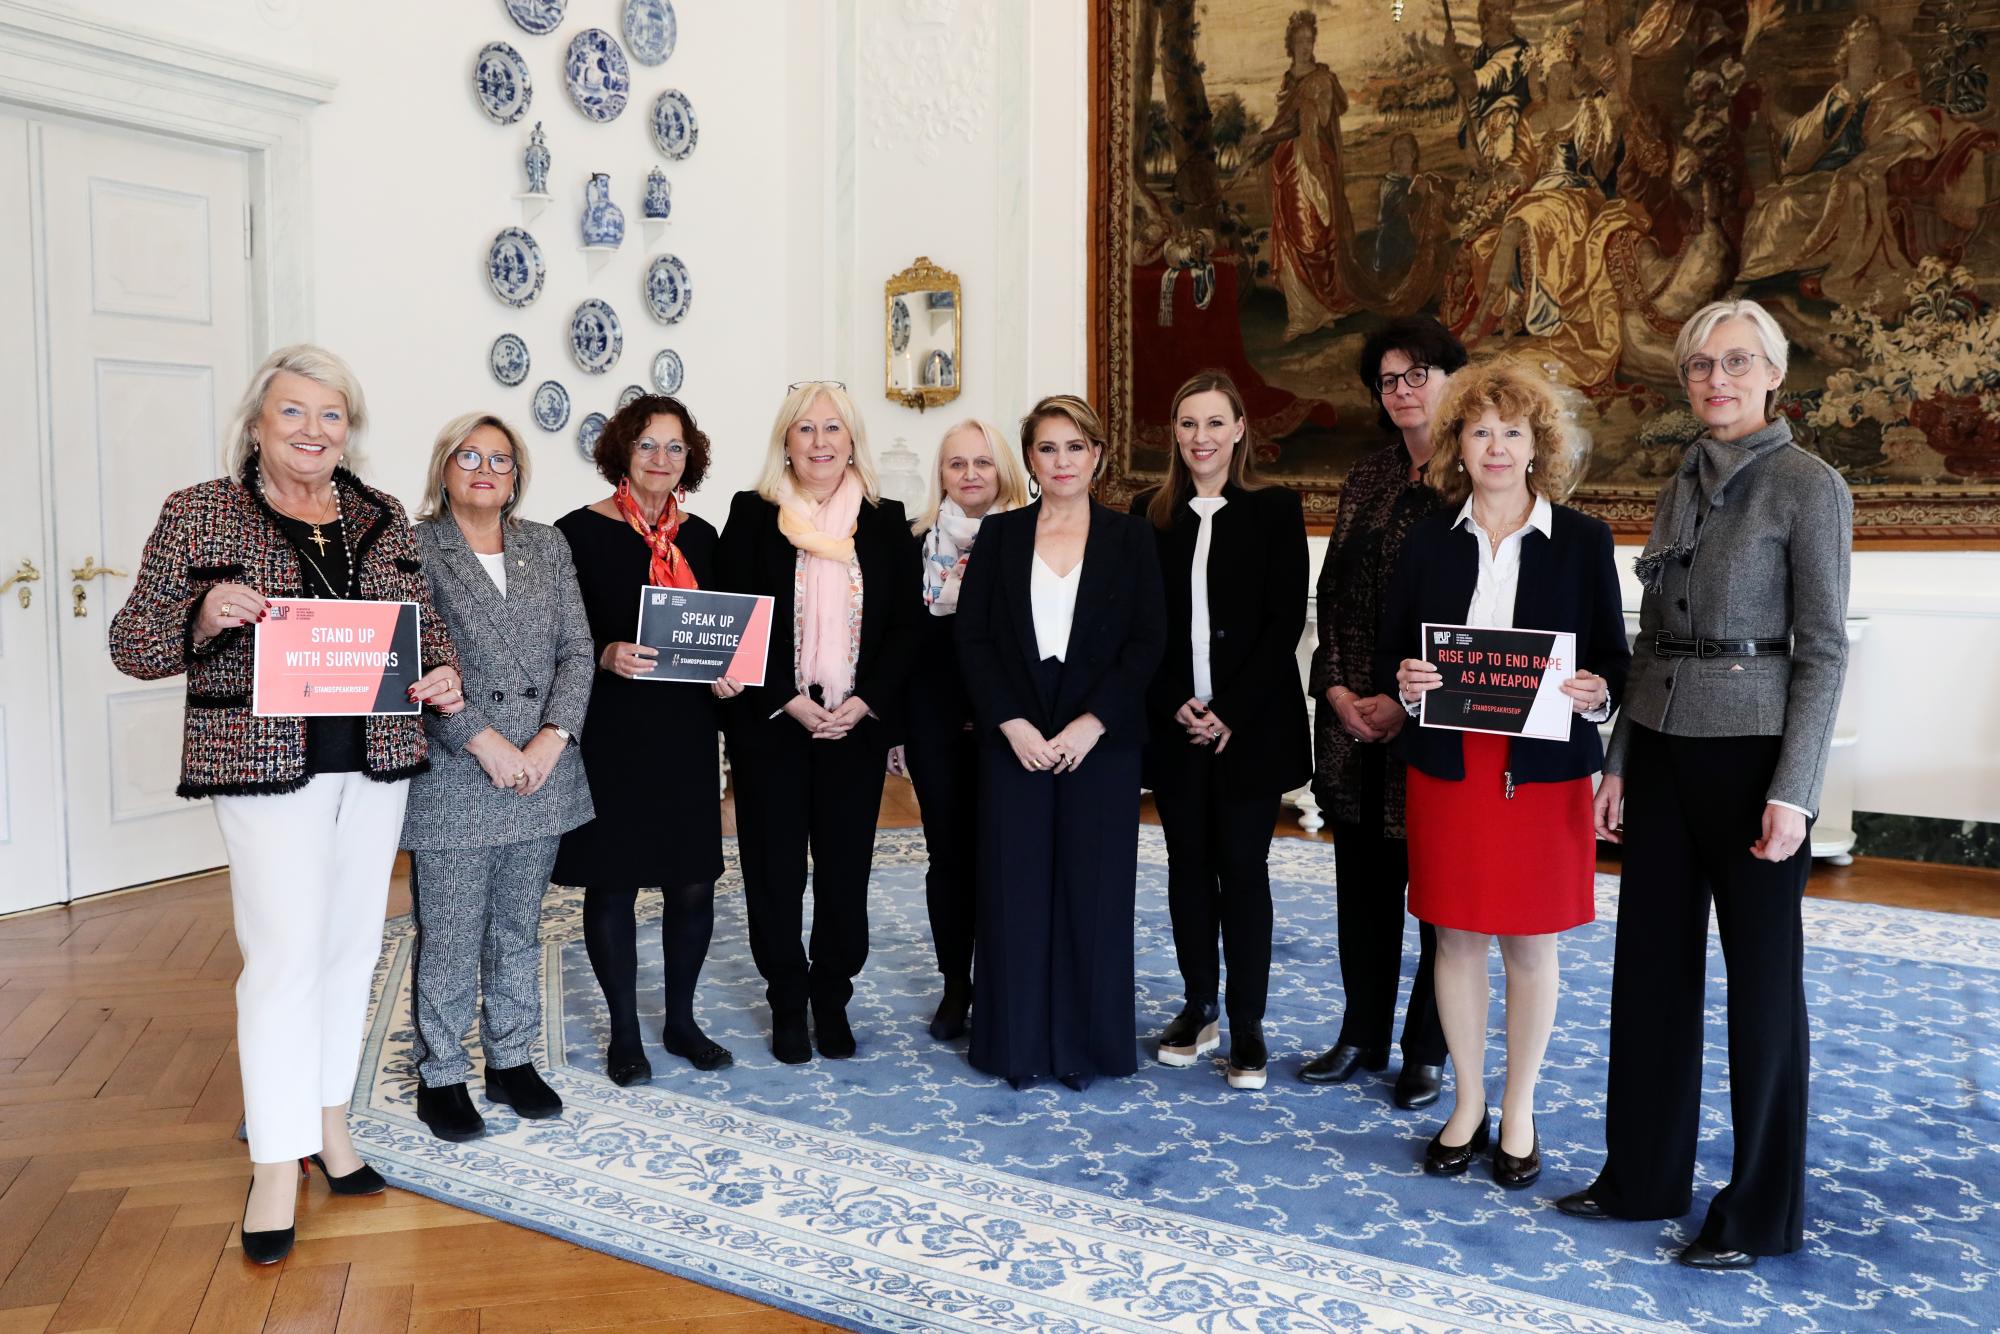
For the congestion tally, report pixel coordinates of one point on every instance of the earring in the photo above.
(1459, 466)
(1531, 466)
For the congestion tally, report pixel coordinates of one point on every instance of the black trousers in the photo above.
(1372, 878)
(1693, 807)
(944, 768)
(1218, 880)
(793, 794)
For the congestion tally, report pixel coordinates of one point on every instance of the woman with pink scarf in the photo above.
(808, 747)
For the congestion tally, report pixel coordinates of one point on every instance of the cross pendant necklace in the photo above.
(319, 538)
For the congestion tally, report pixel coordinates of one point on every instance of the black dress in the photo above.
(649, 747)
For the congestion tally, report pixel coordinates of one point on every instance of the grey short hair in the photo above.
(1704, 321)
(322, 368)
(437, 501)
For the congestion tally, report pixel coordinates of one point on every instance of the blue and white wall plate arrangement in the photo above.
(633, 393)
(650, 30)
(539, 17)
(500, 78)
(597, 76)
(551, 405)
(587, 432)
(659, 202)
(667, 371)
(595, 336)
(514, 267)
(508, 359)
(674, 128)
(668, 290)
(603, 221)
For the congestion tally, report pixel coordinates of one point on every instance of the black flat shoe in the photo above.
(1418, 1086)
(949, 1021)
(273, 1244)
(1698, 1255)
(1518, 1173)
(522, 1088)
(1248, 1057)
(1081, 1083)
(625, 1071)
(1193, 1034)
(699, 1051)
(363, 1180)
(791, 1043)
(1580, 1205)
(1338, 1065)
(1450, 1160)
(836, 1039)
(449, 1113)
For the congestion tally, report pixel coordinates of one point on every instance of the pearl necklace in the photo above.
(340, 531)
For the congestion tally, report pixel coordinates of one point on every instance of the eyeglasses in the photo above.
(1732, 363)
(828, 384)
(648, 448)
(470, 459)
(1413, 377)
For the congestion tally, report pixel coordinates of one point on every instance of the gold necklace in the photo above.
(318, 538)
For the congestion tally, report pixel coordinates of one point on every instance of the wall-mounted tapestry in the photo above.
(1564, 181)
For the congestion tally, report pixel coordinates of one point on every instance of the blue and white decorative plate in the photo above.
(937, 370)
(598, 78)
(650, 30)
(500, 78)
(899, 325)
(668, 290)
(514, 267)
(633, 393)
(674, 128)
(509, 359)
(595, 336)
(667, 371)
(539, 17)
(587, 432)
(551, 406)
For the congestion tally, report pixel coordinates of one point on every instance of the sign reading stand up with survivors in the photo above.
(1504, 681)
(318, 657)
(704, 636)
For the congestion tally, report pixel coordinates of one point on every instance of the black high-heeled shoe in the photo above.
(272, 1244)
(363, 1180)
(949, 1021)
(1450, 1160)
(1518, 1173)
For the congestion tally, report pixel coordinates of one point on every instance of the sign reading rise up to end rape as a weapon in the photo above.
(1504, 681)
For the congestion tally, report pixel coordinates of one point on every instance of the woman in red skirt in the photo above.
(1500, 827)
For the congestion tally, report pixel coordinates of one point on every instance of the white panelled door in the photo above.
(31, 861)
(148, 346)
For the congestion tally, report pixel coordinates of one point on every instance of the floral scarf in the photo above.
(946, 548)
(669, 568)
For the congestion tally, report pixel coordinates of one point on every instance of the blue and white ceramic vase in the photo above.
(536, 160)
(603, 221)
(659, 199)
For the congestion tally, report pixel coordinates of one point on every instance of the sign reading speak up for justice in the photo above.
(327, 656)
(1504, 681)
(703, 636)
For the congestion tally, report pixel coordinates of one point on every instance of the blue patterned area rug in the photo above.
(902, 1190)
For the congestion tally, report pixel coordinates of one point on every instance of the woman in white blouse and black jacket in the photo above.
(1500, 826)
(1226, 713)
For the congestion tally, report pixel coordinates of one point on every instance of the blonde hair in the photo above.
(1078, 413)
(790, 411)
(1517, 394)
(1013, 489)
(1705, 322)
(322, 368)
(437, 500)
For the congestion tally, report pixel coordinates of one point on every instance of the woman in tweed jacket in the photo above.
(1717, 762)
(310, 810)
(505, 781)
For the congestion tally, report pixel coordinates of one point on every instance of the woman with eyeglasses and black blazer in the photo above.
(1226, 714)
(1061, 623)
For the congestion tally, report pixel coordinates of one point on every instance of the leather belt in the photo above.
(1668, 646)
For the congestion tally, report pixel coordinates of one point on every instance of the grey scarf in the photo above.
(1702, 482)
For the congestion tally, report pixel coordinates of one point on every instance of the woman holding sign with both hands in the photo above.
(1500, 826)
(649, 750)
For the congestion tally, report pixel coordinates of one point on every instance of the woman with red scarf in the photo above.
(651, 746)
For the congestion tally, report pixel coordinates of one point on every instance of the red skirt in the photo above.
(1481, 861)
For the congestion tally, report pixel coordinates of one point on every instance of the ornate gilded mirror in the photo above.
(922, 337)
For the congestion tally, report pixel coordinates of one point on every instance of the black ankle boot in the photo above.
(830, 1028)
(449, 1113)
(791, 1041)
(522, 1088)
(949, 1021)
(1193, 1034)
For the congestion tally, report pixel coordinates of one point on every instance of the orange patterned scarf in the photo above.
(669, 567)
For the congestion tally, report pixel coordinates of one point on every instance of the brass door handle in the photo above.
(90, 569)
(24, 576)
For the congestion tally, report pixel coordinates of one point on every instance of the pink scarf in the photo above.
(825, 533)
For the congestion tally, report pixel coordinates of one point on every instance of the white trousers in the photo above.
(308, 883)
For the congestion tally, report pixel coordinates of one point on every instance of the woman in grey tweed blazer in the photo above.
(1717, 762)
(505, 782)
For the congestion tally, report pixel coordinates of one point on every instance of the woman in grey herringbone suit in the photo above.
(504, 784)
(1717, 762)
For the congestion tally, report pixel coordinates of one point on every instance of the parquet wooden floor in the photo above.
(121, 1181)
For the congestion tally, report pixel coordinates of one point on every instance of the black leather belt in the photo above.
(1667, 646)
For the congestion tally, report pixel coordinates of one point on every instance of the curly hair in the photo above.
(1518, 394)
(1303, 18)
(613, 453)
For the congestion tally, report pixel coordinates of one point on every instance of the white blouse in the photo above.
(496, 569)
(1052, 597)
(1198, 639)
